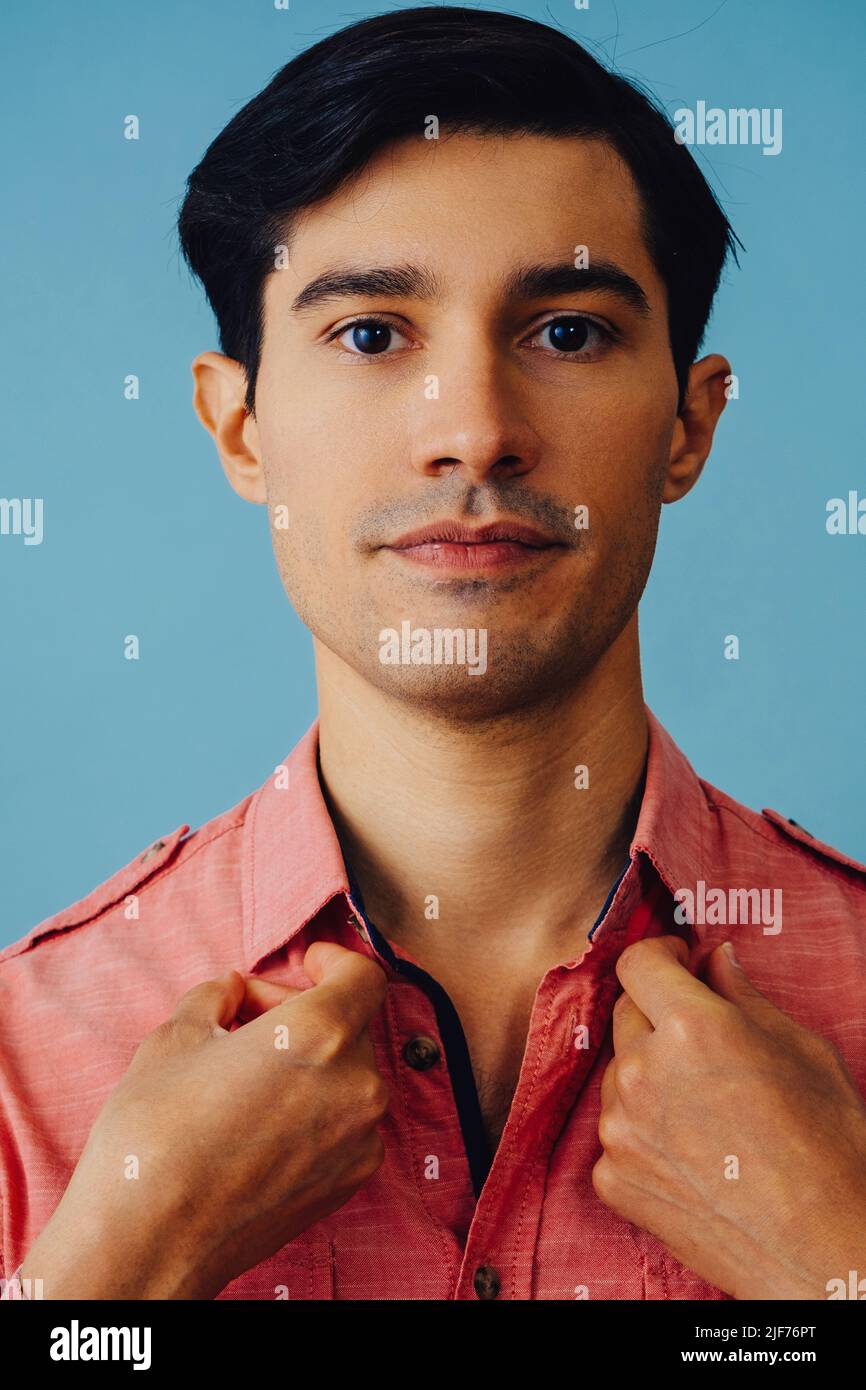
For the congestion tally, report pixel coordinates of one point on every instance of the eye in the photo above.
(368, 337)
(571, 334)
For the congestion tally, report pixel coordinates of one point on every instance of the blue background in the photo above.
(142, 534)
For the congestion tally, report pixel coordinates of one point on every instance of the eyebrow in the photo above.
(417, 282)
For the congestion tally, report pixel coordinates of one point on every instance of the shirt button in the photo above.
(800, 827)
(486, 1282)
(421, 1053)
(154, 850)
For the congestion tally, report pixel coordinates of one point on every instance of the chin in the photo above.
(512, 685)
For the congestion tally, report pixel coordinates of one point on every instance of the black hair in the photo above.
(329, 110)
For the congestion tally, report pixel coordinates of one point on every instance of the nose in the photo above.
(471, 419)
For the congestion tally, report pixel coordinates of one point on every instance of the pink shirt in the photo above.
(252, 889)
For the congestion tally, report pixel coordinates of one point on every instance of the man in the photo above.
(442, 1011)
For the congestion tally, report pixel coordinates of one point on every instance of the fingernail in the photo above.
(729, 952)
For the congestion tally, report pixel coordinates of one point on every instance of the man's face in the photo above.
(469, 406)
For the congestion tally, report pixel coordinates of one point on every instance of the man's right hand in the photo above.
(239, 1140)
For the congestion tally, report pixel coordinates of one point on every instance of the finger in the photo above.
(319, 957)
(608, 1094)
(654, 973)
(213, 1003)
(348, 989)
(728, 979)
(630, 1023)
(232, 998)
(261, 995)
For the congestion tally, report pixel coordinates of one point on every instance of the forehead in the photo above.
(468, 204)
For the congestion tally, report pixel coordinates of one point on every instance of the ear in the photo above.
(218, 400)
(693, 433)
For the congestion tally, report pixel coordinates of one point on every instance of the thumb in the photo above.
(727, 978)
(677, 947)
(322, 957)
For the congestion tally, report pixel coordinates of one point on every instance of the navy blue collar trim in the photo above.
(457, 1056)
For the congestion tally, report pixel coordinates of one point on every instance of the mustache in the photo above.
(472, 503)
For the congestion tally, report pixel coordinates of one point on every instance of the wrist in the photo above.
(103, 1255)
(827, 1253)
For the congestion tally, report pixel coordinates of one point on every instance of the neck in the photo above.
(485, 818)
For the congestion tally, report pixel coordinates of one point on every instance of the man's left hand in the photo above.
(732, 1134)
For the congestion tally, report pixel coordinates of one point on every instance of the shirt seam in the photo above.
(833, 869)
(526, 1186)
(54, 933)
(408, 1143)
(484, 1226)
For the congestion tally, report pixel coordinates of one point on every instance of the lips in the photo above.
(454, 545)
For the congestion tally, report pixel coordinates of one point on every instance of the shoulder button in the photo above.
(152, 852)
(800, 827)
(795, 832)
(106, 895)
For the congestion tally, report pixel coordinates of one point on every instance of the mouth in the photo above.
(455, 546)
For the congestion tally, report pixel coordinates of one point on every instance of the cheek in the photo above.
(298, 456)
(316, 457)
(618, 460)
(637, 414)
(310, 515)
(618, 465)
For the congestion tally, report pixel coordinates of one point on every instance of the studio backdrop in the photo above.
(116, 522)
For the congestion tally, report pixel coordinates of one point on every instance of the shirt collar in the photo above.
(673, 826)
(292, 861)
(293, 864)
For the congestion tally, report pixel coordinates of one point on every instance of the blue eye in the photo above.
(573, 333)
(369, 337)
(570, 335)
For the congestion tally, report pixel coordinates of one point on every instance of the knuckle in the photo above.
(609, 1129)
(161, 1038)
(195, 997)
(621, 1004)
(631, 954)
(326, 1042)
(603, 1129)
(630, 1076)
(370, 1098)
(185, 1028)
(178, 1033)
(376, 1094)
(604, 1180)
(684, 1026)
(369, 1159)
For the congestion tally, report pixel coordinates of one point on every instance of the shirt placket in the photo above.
(570, 1020)
(572, 1003)
(497, 1215)
(426, 1054)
